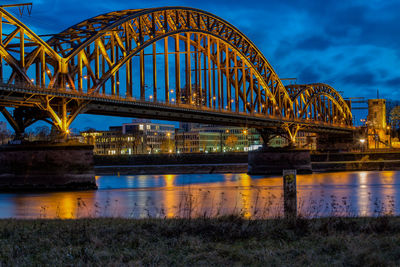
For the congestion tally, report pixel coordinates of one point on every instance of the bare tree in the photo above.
(167, 145)
(394, 117)
(42, 133)
(231, 141)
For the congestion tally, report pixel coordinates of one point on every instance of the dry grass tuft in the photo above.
(203, 241)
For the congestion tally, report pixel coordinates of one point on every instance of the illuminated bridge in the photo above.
(170, 63)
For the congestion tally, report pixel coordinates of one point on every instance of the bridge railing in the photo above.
(21, 86)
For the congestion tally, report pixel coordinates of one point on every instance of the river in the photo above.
(192, 195)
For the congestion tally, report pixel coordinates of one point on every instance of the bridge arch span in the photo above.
(317, 98)
(21, 49)
(114, 60)
(131, 31)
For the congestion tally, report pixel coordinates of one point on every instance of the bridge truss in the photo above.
(171, 63)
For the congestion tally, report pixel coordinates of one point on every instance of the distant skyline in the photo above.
(354, 46)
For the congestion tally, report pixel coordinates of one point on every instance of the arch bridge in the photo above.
(170, 63)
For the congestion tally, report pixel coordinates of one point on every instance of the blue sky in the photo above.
(352, 45)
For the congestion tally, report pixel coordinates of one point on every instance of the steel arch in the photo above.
(306, 95)
(21, 48)
(104, 44)
(154, 24)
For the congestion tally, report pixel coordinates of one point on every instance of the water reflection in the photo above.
(325, 194)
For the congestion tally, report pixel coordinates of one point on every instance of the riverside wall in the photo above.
(238, 163)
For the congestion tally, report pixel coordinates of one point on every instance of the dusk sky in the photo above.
(354, 46)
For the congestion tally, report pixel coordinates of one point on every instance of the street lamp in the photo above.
(246, 138)
(362, 141)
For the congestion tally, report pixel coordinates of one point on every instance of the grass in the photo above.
(229, 240)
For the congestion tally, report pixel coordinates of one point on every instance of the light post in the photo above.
(226, 138)
(169, 142)
(362, 141)
(220, 141)
(246, 138)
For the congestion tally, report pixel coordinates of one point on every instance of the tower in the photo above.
(378, 134)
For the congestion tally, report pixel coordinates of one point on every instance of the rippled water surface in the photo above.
(324, 194)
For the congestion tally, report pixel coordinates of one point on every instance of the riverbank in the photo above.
(221, 241)
(237, 163)
(172, 169)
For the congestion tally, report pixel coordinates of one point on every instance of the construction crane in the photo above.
(21, 7)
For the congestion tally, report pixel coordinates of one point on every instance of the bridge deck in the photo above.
(12, 95)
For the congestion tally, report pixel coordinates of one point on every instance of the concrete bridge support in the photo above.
(336, 142)
(268, 160)
(46, 167)
(275, 160)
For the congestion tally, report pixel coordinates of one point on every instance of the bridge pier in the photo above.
(336, 142)
(47, 167)
(20, 119)
(268, 160)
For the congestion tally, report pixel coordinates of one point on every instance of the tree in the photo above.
(90, 129)
(136, 142)
(395, 116)
(5, 136)
(231, 141)
(167, 145)
(42, 133)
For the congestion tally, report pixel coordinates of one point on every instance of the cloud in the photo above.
(394, 83)
(308, 75)
(314, 43)
(360, 78)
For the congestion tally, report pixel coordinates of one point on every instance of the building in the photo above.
(110, 142)
(377, 113)
(157, 137)
(3, 126)
(377, 129)
(188, 126)
(197, 138)
(5, 135)
(304, 140)
(146, 137)
(211, 138)
(138, 137)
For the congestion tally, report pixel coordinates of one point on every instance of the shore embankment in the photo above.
(171, 163)
(225, 241)
(356, 161)
(237, 163)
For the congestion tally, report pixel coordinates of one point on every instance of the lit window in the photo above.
(141, 127)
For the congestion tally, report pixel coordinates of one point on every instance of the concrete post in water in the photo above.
(289, 194)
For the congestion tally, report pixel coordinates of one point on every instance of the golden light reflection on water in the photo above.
(388, 191)
(63, 205)
(363, 194)
(344, 193)
(170, 197)
(245, 195)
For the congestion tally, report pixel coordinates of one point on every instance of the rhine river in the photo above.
(194, 195)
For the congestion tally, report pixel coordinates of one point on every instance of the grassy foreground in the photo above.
(221, 241)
